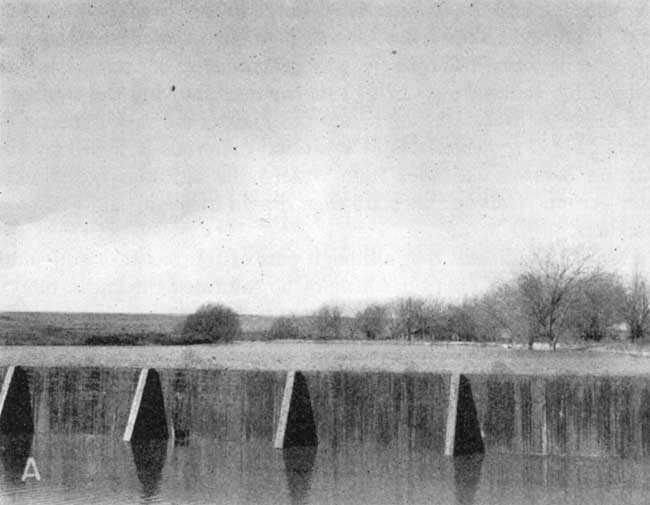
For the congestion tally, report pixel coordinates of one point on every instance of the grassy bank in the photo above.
(343, 355)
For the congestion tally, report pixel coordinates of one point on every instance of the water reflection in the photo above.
(298, 466)
(149, 457)
(14, 451)
(467, 476)
(100, 469)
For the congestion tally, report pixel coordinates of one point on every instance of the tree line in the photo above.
(553, 298)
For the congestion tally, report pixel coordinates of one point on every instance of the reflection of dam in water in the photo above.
(105, 470)
(381, 437)
(573, 416)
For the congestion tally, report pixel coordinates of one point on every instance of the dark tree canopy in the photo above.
(212, 323)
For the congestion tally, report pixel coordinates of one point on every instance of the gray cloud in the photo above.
(364, 143)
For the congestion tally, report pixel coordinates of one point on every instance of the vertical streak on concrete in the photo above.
(135, 405)
(544, 425)
(540, 425)
(518, 435)
(284, 410)
(9, 374)
(172, 430)
(545, 472)
(452, 408)
(543, 415)
(44, 405)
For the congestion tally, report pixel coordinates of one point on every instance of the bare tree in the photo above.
(500, 313)
(410, 318)
(462, 321)
(599, 303)
(548, 289)
(637, 306)
(372, 321)
(283, 327)
(328, 322)
(436, 320)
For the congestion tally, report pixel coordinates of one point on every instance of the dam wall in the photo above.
(516, 414)
(572, 416)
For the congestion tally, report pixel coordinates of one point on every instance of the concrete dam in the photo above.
(443, 414)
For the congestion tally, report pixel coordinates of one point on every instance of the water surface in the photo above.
(101, 469)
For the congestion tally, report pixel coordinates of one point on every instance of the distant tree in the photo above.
(637, 307)
(548, 289)
(212, 323)
(283, 327)
(599, 304)
(416, 318)
(327, 322)
(462, 324)
(409, 318)
(438, 321)
(500, 313)
(372, 321)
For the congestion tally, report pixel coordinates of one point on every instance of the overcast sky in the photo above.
(274, 155)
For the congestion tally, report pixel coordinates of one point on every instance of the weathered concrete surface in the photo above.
(346, 356)
(235, 406)
(569, 415)
(81, 400)
(408, 409)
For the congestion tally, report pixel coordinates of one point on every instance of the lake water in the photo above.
(102, 469)
(380, 441)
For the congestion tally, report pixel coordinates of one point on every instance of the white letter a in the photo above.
(34, 473)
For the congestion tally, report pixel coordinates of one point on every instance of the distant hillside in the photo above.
(58, 328)
(74, 328)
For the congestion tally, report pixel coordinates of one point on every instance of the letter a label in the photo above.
(31, 470)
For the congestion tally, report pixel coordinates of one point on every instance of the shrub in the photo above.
(212, 323)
